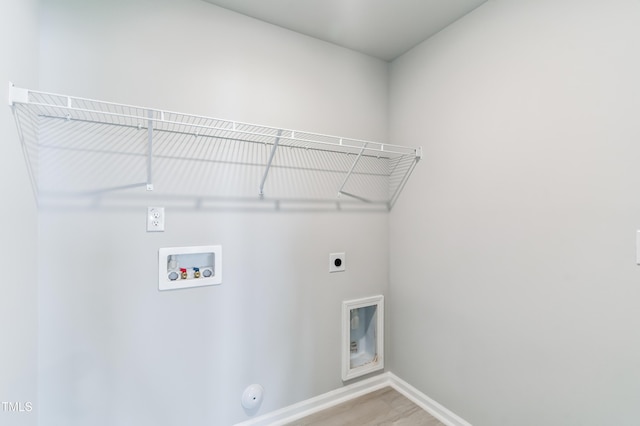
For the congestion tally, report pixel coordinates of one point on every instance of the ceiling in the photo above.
(383, 29)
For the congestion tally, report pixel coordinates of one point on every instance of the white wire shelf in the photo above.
(77, 146)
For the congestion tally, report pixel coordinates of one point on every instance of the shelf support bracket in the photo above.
(266, 171)
(346, 178)
(17, 94)
(150, 151)
(22, 96)
(403, 182)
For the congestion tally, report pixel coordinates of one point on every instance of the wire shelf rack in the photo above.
(85, 147)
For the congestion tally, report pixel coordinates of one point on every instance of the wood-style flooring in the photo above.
(383, 407)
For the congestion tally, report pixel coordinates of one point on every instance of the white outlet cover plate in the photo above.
(155, 219)
(337, 262)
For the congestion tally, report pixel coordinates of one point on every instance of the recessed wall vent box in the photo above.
(362, 336)
(184, 267)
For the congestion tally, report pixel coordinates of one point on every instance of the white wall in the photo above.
(514, 290)
(116, 351)
(18, 234)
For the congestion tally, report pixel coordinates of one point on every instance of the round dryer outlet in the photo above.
(337, 262)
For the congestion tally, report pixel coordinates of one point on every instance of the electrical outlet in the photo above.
(337, 262)
(155, 219)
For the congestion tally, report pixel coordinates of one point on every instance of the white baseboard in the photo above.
(321, 402)
(432, 407)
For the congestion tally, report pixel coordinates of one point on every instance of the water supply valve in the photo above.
(185, 267)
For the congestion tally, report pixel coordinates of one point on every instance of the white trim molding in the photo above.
(432, 407)
(368, 333)
(318, 403)
(321, 402)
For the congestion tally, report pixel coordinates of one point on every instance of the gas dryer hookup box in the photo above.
(185, 267)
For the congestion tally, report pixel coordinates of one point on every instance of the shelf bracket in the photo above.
(18, 95)
(404, 180)
(266, 171)
(22, 96)
(346, 178)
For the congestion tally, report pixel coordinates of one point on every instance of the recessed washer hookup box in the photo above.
(185, 267)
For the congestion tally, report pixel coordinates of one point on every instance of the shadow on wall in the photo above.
(95, 152)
